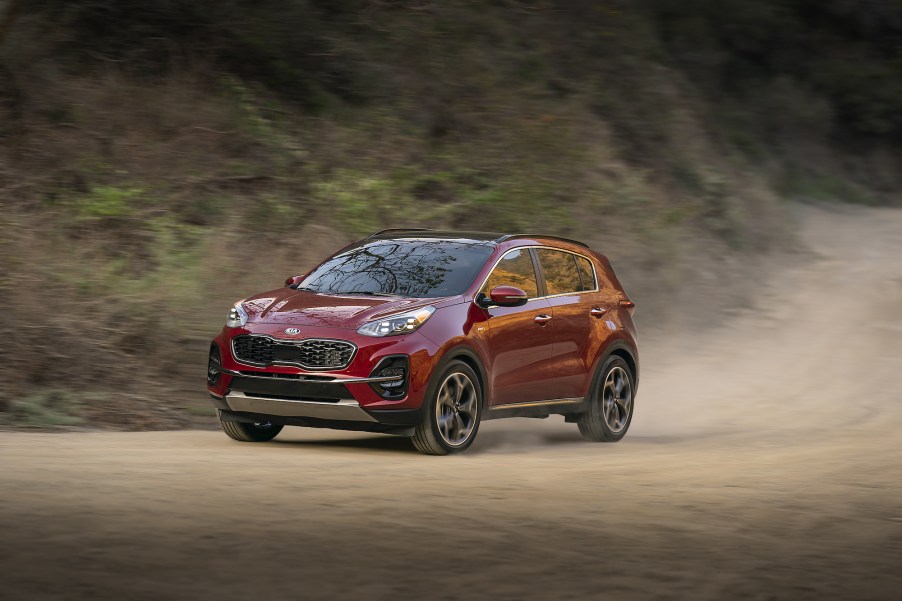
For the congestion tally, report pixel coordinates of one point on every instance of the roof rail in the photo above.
(561, 239)
(399, 229)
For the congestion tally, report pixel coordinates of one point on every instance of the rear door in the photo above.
(578, 310)
(519, 338)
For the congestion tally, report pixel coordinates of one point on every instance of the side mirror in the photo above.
(503, 296)
(293, 281)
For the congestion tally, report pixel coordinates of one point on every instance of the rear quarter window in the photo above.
(586, 273)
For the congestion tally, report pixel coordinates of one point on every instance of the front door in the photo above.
(519, 338)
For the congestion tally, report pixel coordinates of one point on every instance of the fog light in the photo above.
(390, 372)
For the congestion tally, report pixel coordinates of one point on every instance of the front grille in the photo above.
(312, 353)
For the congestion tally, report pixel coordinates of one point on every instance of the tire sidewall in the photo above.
(595, 396)
(453, 366)
(245, 432)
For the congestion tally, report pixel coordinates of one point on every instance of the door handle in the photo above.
(542, 319)
(597, 312)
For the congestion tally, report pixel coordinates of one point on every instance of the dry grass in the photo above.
(138, 212)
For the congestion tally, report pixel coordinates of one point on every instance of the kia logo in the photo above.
(292, 331)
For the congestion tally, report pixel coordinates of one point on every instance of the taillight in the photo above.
(628, 305)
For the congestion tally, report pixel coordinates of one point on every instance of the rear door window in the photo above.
(514, 269)
(561, 273)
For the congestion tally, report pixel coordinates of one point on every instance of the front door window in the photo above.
(514, 269)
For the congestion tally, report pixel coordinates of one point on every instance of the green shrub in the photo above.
(108, 202)
(45, 408)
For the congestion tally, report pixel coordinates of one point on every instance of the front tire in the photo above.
(610, 409)
(452, 412)
(240, 431)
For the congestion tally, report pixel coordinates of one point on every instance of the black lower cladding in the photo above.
(312, 422)
(396, 417)
(282, 388)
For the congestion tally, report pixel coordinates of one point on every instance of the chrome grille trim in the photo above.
(349, 348)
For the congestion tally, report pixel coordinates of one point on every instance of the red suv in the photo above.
(425, 334)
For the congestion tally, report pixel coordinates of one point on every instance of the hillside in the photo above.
(160, 160)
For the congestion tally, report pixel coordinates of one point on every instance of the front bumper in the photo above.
(315, 404)
(352, 395)
(298, 396)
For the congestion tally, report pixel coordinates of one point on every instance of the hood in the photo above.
(301, 308)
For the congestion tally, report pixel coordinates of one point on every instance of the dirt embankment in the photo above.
(765, 462)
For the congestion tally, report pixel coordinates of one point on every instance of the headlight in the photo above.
(402, 323)
(237, 316)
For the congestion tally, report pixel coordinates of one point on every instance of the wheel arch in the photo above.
(627, 353)
(469, 356)
(427, 438)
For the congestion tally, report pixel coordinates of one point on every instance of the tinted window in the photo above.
(514, 269)
(561, 274)
(586, 273)
(417, 268)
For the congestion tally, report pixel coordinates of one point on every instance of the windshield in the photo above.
(413, 268)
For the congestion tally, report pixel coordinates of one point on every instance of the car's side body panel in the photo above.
(520, 350)
(576, 337)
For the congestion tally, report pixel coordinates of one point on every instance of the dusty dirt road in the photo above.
(764, 462)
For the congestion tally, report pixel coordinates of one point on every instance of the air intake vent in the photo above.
(214, 366)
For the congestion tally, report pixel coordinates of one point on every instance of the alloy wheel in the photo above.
(617, 399)
(456, 409)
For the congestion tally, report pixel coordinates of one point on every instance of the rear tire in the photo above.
(243, 432)
(611, 401)
(452, 412)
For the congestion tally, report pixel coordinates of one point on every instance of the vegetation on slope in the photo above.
(161, 159)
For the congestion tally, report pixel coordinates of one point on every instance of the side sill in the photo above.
(538, 408)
